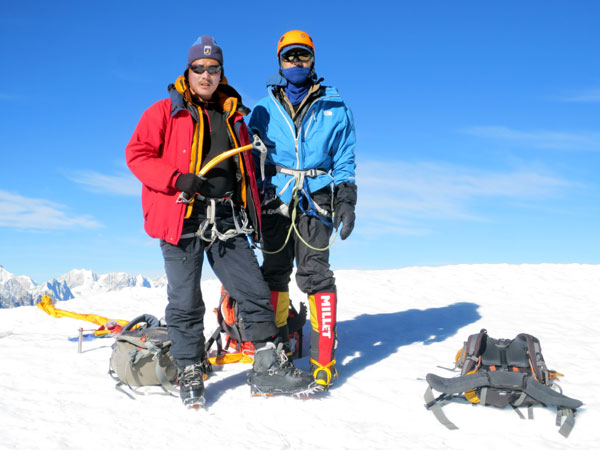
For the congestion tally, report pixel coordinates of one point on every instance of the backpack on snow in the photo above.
(501, 372)
(141, 357)
(232, 325)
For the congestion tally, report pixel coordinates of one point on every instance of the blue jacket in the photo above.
(325, 140)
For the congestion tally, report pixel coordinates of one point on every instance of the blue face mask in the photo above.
(298, 83)
(297, 75)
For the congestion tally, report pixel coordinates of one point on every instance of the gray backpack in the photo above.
(502, 372)
(141, 357)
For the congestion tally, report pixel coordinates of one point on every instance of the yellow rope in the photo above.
(47, 305)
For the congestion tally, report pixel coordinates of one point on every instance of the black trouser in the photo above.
(235, 264)
(313, 273)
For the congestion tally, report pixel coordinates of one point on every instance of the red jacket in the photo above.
(160, 149)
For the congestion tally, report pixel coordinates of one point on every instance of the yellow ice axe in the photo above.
(185, 198)
(217, 159)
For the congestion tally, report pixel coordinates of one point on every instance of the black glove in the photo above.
(344, 212)
(189, 183)
(344, 203)
(270, 170)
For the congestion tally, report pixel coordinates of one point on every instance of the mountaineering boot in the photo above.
(324, 375)
(191, 385)
(273, 373)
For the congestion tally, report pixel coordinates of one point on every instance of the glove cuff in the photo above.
(345, 192)
(173, 180)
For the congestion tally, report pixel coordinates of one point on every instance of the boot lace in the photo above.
(192, 376)
(284, 361)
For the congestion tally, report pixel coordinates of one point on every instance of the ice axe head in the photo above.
(258, 144)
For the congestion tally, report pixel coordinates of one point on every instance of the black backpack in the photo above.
(501, 372)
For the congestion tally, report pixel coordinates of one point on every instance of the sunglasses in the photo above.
(297, 56)
(200, 69)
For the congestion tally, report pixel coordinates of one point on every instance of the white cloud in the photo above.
(540, 139)
(37, 214)
(399, 197)
(589, 96)
(120, 184)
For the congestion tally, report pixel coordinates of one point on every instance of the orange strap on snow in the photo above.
(231, 358)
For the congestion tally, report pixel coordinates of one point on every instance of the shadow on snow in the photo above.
(370, 338)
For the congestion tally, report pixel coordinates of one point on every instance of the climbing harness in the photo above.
(208, 231)
(300, 191)
(314, 210)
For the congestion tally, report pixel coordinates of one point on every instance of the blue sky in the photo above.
(477, 124)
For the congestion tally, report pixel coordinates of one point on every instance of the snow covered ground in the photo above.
(394, 327)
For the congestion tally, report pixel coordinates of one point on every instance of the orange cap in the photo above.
(295, 37)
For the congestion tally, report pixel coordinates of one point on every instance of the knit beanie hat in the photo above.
(205, 47)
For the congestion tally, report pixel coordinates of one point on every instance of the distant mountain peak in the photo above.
(79, 277)
(22, 290)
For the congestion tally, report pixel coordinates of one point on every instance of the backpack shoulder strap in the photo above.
(549, 396)
(148, 319)
(296, 320)
(468, 358)
(518, 381)
(434, 405)
(450, 387)
(538, 365)
(229, 319)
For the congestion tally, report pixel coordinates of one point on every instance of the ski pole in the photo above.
(80, 341)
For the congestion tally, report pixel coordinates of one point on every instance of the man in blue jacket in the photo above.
(307, 180)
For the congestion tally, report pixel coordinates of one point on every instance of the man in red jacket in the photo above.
(175, 138)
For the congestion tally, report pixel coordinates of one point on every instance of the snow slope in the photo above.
(394, 327)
